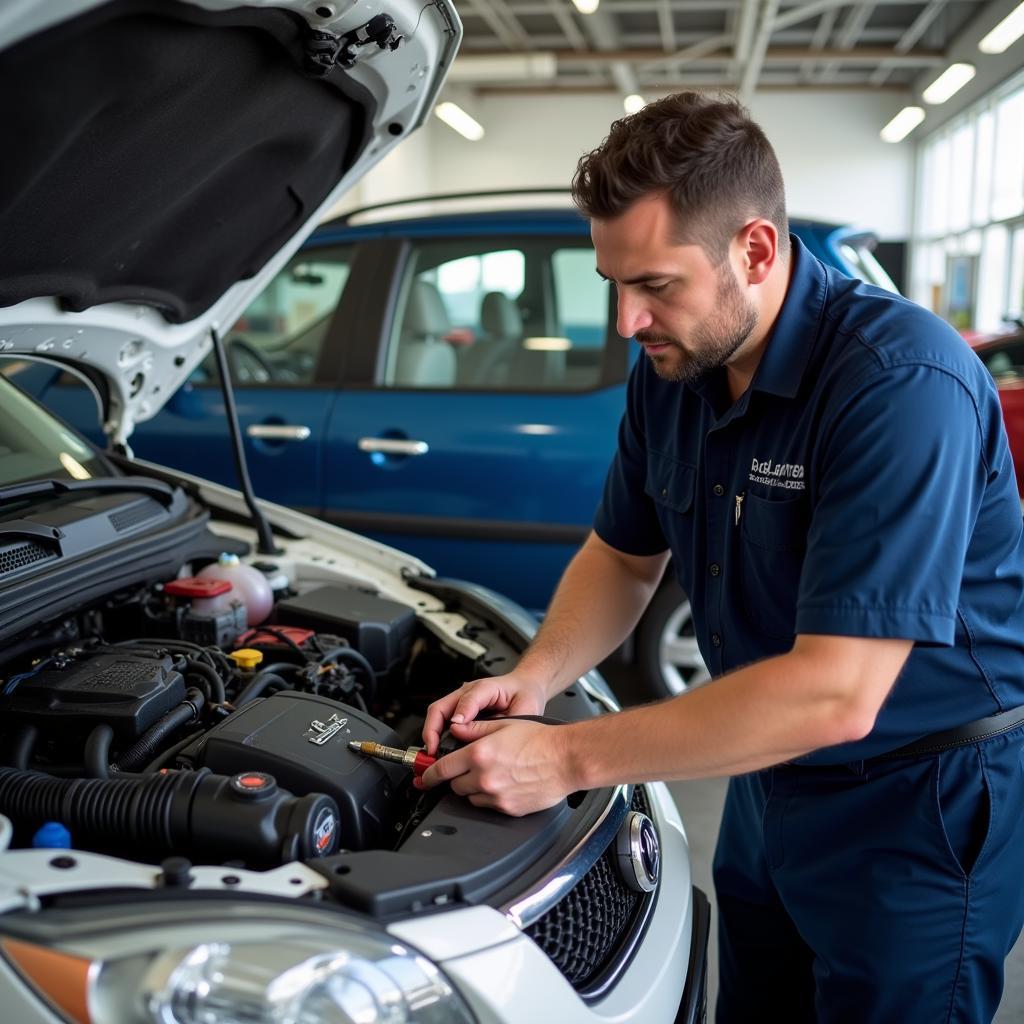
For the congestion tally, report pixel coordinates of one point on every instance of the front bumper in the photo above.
(507, 979)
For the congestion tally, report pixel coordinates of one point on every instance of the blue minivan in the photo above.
(441, 375)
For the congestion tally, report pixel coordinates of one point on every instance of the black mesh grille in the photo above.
(639, 801)
(585, 931)
(129, 517)
(17, 556)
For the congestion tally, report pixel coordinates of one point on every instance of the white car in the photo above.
(186, 836)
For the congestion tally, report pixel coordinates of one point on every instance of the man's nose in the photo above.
(632, 316)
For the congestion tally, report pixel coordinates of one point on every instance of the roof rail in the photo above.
(343, 218)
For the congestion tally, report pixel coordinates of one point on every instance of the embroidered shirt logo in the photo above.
(789, 475)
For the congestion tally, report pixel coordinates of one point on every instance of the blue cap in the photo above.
(52, 836)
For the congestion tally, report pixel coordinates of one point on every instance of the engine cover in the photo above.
(302, 740)
(128, 691)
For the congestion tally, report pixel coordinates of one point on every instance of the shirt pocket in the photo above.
(774, 542)
(670, 482)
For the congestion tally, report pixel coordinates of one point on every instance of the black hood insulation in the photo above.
(159, 153)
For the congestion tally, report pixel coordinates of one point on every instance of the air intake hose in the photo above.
(195, 813)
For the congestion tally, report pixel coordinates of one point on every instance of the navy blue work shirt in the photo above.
(861, 486)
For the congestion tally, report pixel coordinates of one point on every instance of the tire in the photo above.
(666, 648)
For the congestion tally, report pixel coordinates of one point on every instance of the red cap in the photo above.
(193, 586)
(252, 781)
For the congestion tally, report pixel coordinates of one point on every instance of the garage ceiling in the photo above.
(654, 46)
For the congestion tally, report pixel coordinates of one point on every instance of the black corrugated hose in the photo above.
(144, 749)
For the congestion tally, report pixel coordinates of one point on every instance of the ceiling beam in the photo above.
(687, 55)
(666, 26)
(846, 36)
(605, 36)
(819, 40)
(917, 29)
(715, 48)
(695, 82)
(748, 84)
(558, 10)
(496, 24)
(794, 15)
(744, 37)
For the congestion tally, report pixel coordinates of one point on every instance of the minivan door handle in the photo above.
(393, 446)
(278, 432)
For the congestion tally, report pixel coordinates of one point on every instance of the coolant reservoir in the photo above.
(249, 585)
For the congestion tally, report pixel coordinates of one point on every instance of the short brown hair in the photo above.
(705, 153)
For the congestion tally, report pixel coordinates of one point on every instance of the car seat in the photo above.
(498, 358)
(425, 359)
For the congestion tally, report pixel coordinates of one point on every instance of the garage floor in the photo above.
(701, 803)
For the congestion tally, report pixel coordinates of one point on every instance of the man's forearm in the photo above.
(757, 716)
(598, 603)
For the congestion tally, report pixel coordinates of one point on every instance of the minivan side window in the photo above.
(494, 315)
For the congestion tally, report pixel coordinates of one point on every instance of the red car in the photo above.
(1004, 358)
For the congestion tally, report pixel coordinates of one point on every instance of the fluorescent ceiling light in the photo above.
(543, 344)
(455, 117)
(902, 124)
(634, 102)
(586, 6)
(1007, 32)
(951, 81)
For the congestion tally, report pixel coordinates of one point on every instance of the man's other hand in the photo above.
(513, 767)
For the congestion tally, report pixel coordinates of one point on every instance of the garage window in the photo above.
(967, 262)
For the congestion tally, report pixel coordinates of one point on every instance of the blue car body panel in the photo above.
(508, 487)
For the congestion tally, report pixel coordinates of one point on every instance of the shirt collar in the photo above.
(796, 328)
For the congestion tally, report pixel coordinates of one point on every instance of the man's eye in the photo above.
(655, 288)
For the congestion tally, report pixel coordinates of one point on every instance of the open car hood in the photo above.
(166, 157)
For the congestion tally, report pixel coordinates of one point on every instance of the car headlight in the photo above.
(321, 976)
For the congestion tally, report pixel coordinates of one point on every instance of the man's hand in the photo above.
(509, 694)
(513, 767)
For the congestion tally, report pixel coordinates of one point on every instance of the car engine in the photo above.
(209, 716)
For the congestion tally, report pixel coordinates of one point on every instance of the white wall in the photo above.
(835, 165)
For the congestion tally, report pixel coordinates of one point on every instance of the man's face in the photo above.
(689, 315)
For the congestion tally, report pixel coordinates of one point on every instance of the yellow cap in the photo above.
(246, 658)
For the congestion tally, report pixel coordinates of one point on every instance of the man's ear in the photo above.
(758, 244)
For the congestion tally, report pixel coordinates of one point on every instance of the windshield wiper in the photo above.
(36, 488)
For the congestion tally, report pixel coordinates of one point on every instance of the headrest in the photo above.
(500, 316)
(425, 313)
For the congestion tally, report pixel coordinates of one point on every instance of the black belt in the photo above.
(961, 736)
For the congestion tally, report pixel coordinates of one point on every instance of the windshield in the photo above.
(34, 445)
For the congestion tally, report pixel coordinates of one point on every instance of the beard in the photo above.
(712, 343)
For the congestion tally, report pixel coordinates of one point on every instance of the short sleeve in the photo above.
(899, 482)
(627, 518)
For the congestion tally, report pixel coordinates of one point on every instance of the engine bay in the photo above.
(217, 677)
(179, 716)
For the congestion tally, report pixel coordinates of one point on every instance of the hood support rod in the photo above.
(266, 537)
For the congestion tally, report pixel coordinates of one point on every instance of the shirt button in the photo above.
(719, 490)
(716, 640)
(714, 568)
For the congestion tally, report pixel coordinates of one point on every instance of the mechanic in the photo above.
(826, 466)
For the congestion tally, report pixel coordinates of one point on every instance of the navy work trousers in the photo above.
(879, 892)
